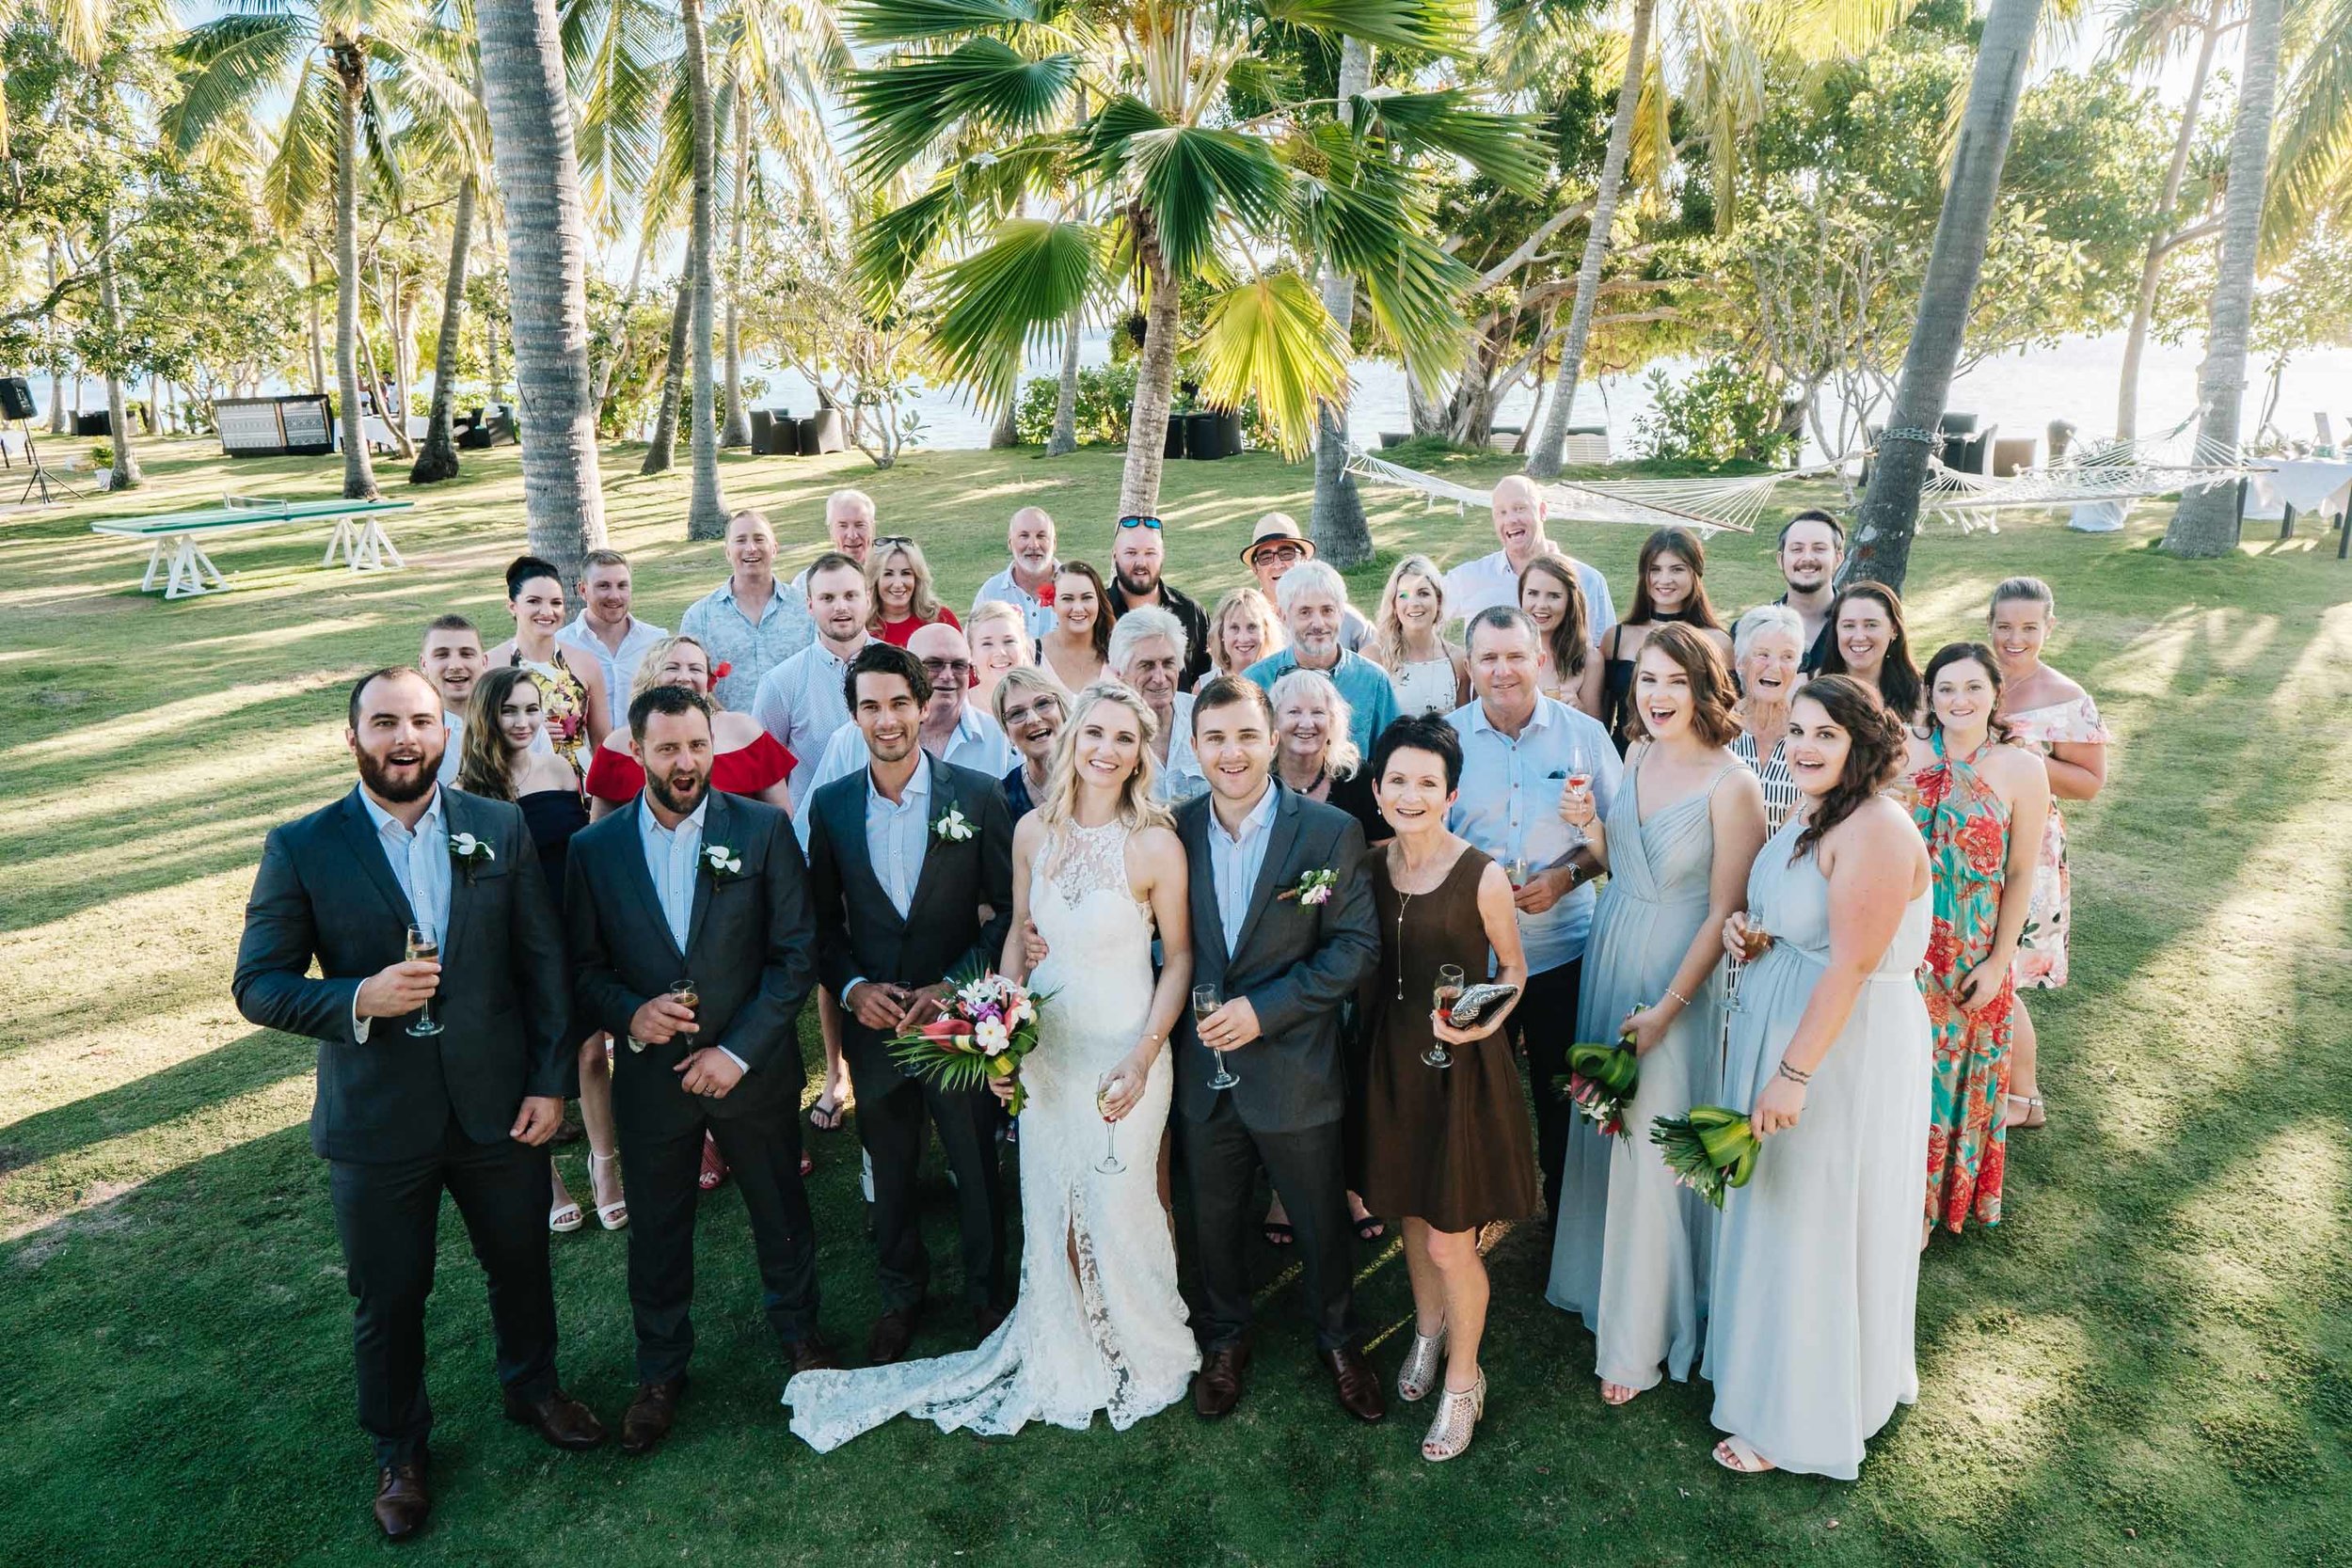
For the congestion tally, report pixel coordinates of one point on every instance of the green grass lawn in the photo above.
(2149, 1362)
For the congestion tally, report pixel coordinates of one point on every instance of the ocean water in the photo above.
(2074, 380)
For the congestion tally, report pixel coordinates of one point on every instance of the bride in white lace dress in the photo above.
(1099, 1326)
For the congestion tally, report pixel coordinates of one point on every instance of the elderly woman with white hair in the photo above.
(1767, 644)
(1313, 602)
(1148, 652)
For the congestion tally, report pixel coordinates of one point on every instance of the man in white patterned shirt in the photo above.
(607, 631)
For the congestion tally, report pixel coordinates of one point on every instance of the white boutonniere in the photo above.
(469, 853)
(954, 825)
(1313, 888)
(723, 863)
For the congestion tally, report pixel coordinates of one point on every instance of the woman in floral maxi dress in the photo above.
(1980, 804)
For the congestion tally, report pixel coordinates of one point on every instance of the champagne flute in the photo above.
(423, 944)
(1582, 783)
(1448, 991)
(1110, 1165)
(1517, 871)
(1205, 1002)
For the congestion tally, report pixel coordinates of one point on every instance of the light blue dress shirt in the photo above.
(419, 861)
(1509, 808)
(752, 647)
(896, 834)
(800, 702)
(978, 743)
(1036, 615)
(1236, 858)
(672, 857)
(1371, 700)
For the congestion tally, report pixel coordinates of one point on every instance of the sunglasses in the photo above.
(948, 666)
(1288, 553)
(889, 541)
(1151, 523)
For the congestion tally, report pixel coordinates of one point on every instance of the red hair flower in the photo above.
(726, 668)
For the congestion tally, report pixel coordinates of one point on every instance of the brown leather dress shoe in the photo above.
(1216, 1386)
(1358, 1385)
(813, 1354)
(401, 1504)
(559, 1419)
(893, 1331)
(651, 1414)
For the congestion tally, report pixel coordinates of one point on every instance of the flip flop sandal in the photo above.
(1370, 1228)
(1278, 1234)
(825, 1115)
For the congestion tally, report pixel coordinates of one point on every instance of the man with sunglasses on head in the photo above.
(1137, 555)
(953, 730)
(1274, 549)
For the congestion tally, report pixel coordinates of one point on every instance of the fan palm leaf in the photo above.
(1025, 280)
(1271, 338)
(983, 83)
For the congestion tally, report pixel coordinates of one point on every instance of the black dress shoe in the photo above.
(562, 1421)
(1216, 1386)
(401, 1505)
(813, 1354)
(1358, 1385)
(893, 1331)
(651, 1414)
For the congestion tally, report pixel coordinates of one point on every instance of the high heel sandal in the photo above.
(610, 1215)
(1458, 1412)
(563, 1217)
(1422, 1363)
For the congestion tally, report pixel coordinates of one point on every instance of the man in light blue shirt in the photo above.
(801, 702)
(748, 622)
(1315, 610)
(608, 630)
(1022, 583)
(1519, 750)
(419, 861)
(952, 730)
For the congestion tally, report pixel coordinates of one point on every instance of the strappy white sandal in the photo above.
(610, 1215)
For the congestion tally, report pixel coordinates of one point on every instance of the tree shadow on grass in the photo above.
(255, 1061)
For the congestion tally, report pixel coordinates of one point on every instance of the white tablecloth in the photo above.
(2321, 485)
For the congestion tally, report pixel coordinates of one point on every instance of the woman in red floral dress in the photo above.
(1979, 803)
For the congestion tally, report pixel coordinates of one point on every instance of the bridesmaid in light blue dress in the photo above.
(1817, 1259)
(1632, 1255)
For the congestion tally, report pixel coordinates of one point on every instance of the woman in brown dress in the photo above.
(1447, 1145)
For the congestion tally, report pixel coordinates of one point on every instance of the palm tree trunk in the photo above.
(126, 466)
(1064, 440)
(438, 460)
(525, 92)
(2152, 269)
(56, 370)
(394, 408)
(1890, 512)
(1336, 524)
(661, 451)
(1006, 432)
(706, 511)
(1155, 382)
(2205, 523)
(351, 72)
(738, 430)
(318, 345)
(1543, 460)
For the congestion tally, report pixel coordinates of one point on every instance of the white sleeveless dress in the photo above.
(1112, 1336)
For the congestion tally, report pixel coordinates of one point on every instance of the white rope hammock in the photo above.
(2096, 471)
(1706, 505)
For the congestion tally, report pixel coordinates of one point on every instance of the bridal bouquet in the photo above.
(991, 1023)
(1708, 1151)
(1601, 1080)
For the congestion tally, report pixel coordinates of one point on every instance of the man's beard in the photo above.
(377, 777)
(1819, 579)
(1135, 589)
(671, 799)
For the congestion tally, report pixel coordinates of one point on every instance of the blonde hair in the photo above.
(1024, 677)
(649, 667)
(1250, 602)
(1340, 753)
(1388, 627)
(1137, 808)
(997, 610)
(925, 604)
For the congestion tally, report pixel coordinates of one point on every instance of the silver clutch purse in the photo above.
(1479, 1002)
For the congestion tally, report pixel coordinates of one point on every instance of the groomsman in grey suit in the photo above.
(411, 1102)
(1283, 932)
(688, 916)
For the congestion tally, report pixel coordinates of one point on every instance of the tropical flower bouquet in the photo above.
(990, 1026)
(1602, 1081)
(1708, 1151)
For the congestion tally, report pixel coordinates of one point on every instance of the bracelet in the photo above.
(1800, 1079)
(1677, 996)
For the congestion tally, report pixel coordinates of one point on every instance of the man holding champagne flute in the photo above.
(693, 943)
(444, 1057)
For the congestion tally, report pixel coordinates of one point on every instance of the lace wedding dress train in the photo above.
(1099, 1326)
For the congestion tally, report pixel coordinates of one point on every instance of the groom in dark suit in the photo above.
(903, 855)
(686, 884)
(1283, 930)
(401, 1116)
